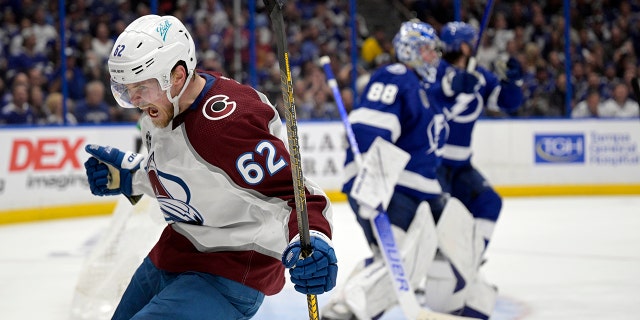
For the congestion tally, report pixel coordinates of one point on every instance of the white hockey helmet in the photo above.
(149, 48)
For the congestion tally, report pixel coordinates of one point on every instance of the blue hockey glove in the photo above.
(98, 175)
(514, 70)
(464, 82)
(110, 170)
(316, 273)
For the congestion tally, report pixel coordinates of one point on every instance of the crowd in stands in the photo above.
(604, 46)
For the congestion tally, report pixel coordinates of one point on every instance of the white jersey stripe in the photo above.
(378, 119)
(454, 152)
(418, 182)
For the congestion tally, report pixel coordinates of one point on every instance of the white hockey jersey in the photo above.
(222, 175)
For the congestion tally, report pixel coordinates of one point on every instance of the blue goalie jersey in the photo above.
(395, 107)
(463, 110)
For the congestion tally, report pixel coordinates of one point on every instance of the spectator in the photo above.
(76, 78)
(20, 78)
(93, 109)
(26, 56)
(213, 12)
(558, 98)
(102, 44)
(620, 105)
(37, 78)
(537, 91)
(589, 107)
(56, 109)
(311, 38)
(604, 37)
(487, 51)
(374, 45)
(307, 8)
(501, 33)
(44, 32)
(18, 111)
(36, 101)
(595, 83)
(538, 30)
(347, 98)
(322, 108)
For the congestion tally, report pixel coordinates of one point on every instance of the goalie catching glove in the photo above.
(317, 273)
(110, 171)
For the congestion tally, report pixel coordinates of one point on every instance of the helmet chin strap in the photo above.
(174, 100)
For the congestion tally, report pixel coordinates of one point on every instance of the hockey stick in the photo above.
(274, 7)
(472, 62)
(483, 25)
(382, 226)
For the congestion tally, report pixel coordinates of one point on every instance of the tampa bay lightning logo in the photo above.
(437, 133)
(218, 107)
(173, 195)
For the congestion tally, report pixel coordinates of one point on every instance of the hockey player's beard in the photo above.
(160, 116)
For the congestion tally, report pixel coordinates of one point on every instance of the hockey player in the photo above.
(464, 95)
(221, 173)
(395, 107)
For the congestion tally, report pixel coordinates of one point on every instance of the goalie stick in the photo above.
(274, 7)
(382, 226)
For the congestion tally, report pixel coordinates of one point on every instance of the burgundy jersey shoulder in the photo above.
(231, 120)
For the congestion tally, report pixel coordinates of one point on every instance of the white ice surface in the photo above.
(552, 258)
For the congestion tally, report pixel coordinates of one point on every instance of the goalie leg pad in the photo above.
(460, 250)
(481, 299)
(453, 282)
(336, 307)
(456, 238)
(368, 293)
(440, 293)
(419, 245)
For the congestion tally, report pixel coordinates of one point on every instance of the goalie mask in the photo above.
(142, 59)
(410, 43)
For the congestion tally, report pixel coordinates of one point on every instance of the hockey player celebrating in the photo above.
(221, 173)
(395, 107)
(464, 95)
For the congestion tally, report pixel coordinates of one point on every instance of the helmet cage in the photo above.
(408, 43)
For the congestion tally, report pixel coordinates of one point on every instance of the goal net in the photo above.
(120, 249)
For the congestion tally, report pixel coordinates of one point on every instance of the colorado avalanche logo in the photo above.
(173, 195)
(218, 107)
